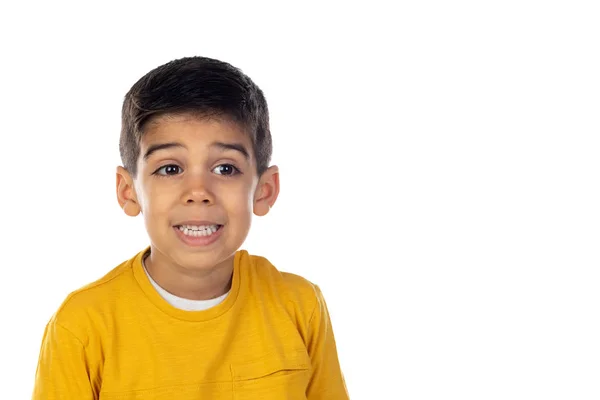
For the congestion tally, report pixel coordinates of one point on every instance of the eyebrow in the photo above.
(161, 146)
(221, 145)
(233, 146)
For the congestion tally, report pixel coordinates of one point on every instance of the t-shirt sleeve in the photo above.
(327, 381)
(62, 370)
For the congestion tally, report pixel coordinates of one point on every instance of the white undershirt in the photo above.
(180, 302)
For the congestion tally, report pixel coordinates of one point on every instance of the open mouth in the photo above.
(199, 230)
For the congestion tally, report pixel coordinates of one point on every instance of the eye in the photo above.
(226, 169)
(170, 169)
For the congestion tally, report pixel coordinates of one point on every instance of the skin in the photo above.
(196, 181)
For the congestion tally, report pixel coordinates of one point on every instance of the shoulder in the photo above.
(288, 286)
(95, 302)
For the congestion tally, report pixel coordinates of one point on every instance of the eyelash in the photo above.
(236, 170)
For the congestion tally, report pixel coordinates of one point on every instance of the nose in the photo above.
(198, 191)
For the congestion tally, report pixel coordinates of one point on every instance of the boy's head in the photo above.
(196, 146)
(199, 86)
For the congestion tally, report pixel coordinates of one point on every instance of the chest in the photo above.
(244, 356)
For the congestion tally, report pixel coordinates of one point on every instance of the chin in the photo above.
(201, 260)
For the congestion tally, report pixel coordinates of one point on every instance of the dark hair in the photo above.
(200, 86)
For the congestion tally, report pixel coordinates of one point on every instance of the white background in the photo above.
(439, 167)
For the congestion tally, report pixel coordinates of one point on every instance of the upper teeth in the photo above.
(198, 230)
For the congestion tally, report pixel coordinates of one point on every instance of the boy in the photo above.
(192, 316)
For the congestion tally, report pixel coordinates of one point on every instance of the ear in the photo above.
(266, 191)
(126, 193)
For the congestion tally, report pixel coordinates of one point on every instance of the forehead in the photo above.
(193, 131)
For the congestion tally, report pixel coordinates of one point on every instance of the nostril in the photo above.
(205, 200)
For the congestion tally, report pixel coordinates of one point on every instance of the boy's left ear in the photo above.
(266, 191)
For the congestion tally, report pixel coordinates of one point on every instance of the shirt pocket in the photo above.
(213, 391)
(275, 376)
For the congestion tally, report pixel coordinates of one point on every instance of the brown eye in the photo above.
(170, 169)
(226, 169)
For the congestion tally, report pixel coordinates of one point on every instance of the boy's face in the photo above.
(197, 188)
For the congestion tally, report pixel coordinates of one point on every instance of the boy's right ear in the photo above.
(126, 193)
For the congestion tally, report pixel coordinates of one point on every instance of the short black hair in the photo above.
(200, 86)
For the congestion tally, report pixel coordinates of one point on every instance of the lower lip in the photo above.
(198, 241)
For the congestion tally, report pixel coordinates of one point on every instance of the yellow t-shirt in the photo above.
(117, 338)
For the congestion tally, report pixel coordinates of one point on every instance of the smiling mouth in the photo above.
(199, 230)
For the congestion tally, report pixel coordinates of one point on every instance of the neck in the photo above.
(188, 283)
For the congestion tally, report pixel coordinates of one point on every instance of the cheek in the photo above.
(239, 202)
(157, 202)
